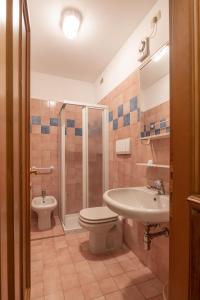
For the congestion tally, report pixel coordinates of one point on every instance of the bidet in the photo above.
(44, 206)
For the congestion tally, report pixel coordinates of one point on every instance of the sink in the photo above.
(138, 203)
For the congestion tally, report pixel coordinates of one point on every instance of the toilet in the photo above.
(105, 229)
(44, 206)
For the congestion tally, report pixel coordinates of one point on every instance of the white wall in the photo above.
(125, 61)
(49, 87)
(156, 94)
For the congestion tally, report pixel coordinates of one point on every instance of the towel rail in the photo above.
(37, 171)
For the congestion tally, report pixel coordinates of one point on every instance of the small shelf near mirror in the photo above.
(153, 165)
(156, 137)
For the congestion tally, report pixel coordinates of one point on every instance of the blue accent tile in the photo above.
(127, 119)
(45, 129)
(110, 116)
(54, 121)
(157, 131)
(36, 120)
(115, 124)
(70, 123)
(78, 131)
(120, 110)
(142, 134)
(163, 123)
(138, 114)
(133, 103)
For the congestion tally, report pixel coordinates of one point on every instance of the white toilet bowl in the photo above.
(44, 206)
(105, 230)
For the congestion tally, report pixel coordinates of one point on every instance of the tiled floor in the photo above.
(64, 269)
(56, 230)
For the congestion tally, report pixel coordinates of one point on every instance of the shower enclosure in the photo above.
(83, 159)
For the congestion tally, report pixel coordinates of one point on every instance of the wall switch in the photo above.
(123, 146)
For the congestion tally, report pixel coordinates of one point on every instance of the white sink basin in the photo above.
(138, 203)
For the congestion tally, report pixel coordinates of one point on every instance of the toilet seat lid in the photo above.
(96, 214)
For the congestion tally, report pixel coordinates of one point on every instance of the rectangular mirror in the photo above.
(155, 94)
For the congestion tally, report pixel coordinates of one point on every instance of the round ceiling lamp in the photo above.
(71, 23)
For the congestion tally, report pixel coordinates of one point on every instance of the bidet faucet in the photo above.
(158, 185)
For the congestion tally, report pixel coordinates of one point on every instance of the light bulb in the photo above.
(71, 24)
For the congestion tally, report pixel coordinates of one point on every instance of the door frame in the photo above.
(185, 137)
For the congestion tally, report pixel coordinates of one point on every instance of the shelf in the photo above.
(156, 137)
(153, 165)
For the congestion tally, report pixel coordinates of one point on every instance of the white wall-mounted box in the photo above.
(123, 146)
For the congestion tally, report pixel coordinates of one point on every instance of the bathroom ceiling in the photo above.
(107, 24)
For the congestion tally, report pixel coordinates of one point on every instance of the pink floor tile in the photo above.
(55, 296)
(140, 275)
(75, 294)
(131, 293)
(128, 265)
(63, 268)
(100, 271)
(150, 288)
(70, 281)
(82, 266)
(36, 277)
(107, 286)
(37, 290)
(67, 269)
(56, 230)
(86, 277)
(52, 286)
(122, 281)
(114, 269)
(91, 291)
(115, 296)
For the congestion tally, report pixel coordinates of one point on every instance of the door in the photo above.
(14, 150)
(185, 149)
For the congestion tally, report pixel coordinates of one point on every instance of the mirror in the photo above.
(155, 94)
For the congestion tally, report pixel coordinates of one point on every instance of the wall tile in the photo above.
(54, 121)
(115, 124)
(70, 123)
(127, 120)
(123, 169)
(78, 131)
(110, 116)
(45, 129)
(36, 120)
(134, 104)
(120, 111)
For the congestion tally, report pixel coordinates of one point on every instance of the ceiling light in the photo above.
(71, 22)
(162, 52)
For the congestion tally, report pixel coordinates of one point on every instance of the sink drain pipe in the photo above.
(149, 236)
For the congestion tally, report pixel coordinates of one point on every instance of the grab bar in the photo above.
(36, 171)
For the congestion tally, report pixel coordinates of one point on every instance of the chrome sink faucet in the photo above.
(43, 196)
(158, 185)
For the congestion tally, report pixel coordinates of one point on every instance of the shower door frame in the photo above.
(85, 173)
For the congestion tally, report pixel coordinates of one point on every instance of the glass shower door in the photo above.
(73, 164)
(95, 157)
